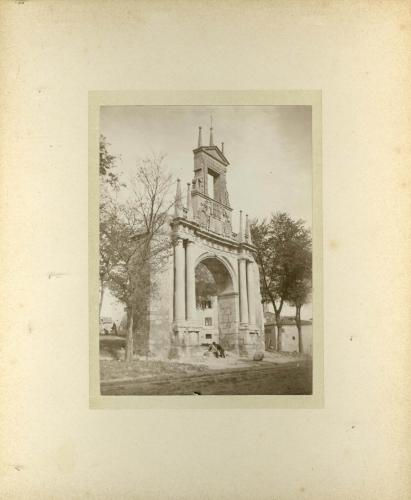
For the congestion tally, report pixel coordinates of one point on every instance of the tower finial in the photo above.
(200, 140)
(222, 147)
(247, 229)
(211, 131)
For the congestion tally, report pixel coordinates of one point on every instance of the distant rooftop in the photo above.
(269, 319)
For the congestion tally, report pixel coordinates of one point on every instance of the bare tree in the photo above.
(138, 242)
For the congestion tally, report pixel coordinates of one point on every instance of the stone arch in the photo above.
(219, 315)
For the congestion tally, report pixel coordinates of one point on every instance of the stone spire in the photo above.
(200, 140)
(178, 205)
(189, 203)
(211, 131)
(247, 230)
(241, 232)
(222, 147)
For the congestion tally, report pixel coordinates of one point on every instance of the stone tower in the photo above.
(210, 201)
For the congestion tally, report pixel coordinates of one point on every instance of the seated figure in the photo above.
(217, 350)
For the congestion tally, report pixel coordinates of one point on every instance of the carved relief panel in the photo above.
(213, 217)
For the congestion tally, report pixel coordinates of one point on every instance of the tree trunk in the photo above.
(298, 323)
(278, 345)
(277, 312)
(129, 335)
(101, 300)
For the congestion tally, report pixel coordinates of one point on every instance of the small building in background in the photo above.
(289, 338)
(106, 324)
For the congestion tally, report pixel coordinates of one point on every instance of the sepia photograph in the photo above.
(205, 250)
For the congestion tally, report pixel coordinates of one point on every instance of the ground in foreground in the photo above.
(278, 374)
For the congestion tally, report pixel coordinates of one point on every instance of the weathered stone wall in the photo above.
(212, 330)
(141, 325)
(161, 311)
(228, 320)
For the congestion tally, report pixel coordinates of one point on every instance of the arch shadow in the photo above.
(224, 262)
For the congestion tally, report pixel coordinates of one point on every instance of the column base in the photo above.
(250, 342)
(185, 339)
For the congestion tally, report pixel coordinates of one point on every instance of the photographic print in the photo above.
(205, 250)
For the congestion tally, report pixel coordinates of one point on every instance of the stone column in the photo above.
(179, 285)
(243, 292)
(250, 293)
(190, 281)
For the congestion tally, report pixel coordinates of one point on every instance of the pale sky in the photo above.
(268, 147)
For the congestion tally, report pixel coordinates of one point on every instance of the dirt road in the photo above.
(288, 378)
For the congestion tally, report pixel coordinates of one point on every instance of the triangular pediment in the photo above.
(214, 152)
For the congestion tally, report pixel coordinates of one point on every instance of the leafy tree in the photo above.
(107, 164)
(109, 188)
(298, 297)
(129, 269)
(300, 282)
(279, 243)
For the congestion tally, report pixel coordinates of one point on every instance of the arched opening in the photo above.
(216, 306)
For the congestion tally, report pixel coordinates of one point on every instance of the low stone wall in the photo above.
(112, 347)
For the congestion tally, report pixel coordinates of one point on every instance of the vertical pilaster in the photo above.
(243, 292)
(189, 202)
(205, 179)
(250, 293)
(190, 281)
(179, 283)
(200, 140)
(241, 231)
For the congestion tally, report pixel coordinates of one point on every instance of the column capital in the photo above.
(247, 258)
(178, 240)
